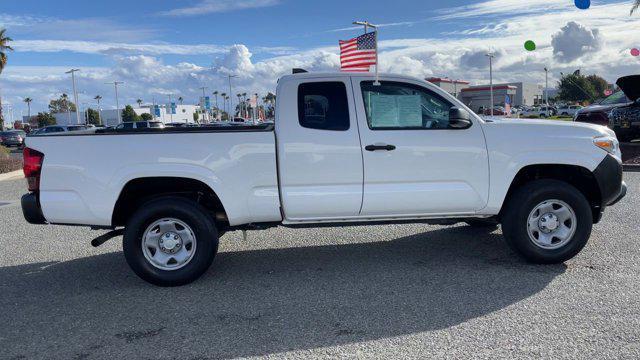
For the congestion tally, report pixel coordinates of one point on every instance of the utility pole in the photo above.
(491, 56)
(75, 93)
(231, 98)
(115, 85)
(204, 102)
(170, 107)
(546, 89)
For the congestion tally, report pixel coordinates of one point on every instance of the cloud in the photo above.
(573, 41)
(218, 6)
(114, 48)
(501, 7)
(478, 59)
(73, 29)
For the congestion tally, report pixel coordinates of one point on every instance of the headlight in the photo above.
(607, 144)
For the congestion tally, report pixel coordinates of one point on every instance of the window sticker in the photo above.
(390, 111)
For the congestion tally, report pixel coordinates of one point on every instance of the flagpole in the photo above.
(367, 25)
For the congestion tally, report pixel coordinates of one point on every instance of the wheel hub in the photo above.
(548, 223)
(170, 242)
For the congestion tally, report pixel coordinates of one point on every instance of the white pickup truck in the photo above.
(344, 150)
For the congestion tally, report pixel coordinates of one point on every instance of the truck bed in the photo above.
(84, 174)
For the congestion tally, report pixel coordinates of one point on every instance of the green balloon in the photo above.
(530, 45)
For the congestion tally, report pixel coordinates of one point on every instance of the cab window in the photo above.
(323, 106)
(402, 106)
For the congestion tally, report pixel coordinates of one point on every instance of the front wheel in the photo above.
(547, 221)
(170, 241)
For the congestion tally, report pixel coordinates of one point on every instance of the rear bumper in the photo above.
(609, 177)
(31, 209)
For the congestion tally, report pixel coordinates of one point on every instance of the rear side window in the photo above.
(323, 106)
(141, 125)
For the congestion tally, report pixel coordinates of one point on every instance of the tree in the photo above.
(180, 100)
(139, 101)
(146, 117)
(599, 84)
(61, 105)
(196, 117)
(93, 116)
(28, 100)
(45, 119)
(4, 48)
(129, 115)
(576, 87)
(635, 7)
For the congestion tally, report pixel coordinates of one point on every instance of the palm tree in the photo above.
(139, 101)
(4, 47)
(215, 93)
(635, 7)
(224, 102)
(28, 100)
(180, 100)
(98, 98)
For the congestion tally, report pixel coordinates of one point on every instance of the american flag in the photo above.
(358, 54)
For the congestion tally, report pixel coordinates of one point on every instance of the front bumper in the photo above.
(609, 177)
(31, 209)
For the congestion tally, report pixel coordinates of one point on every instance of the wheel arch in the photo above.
(140, 190)
(577, 176)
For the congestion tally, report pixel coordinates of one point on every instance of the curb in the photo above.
(631, 168)
(12, 175)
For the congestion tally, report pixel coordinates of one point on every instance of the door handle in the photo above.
(379, 147)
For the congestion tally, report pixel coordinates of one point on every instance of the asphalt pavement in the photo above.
(409, 291)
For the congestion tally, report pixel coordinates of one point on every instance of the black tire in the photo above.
(524, 200)
(482, 224)
(187, 211)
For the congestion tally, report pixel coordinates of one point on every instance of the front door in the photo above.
(415, 164)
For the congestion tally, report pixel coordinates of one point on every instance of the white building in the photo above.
(184, 114)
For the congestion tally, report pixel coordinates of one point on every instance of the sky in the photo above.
(164, 47)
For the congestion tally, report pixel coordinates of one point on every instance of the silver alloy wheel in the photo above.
(551, 224)
(169, 244)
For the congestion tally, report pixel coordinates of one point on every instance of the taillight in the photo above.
(32, 167)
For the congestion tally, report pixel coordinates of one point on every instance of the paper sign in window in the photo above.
(395, 111)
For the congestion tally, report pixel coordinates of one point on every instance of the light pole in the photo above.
(491, 56)
(170, 109)
(231, 95)
(75, 93)
(204, 102)
(546, 90)
(115, 85)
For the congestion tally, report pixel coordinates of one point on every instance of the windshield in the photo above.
(617, 98)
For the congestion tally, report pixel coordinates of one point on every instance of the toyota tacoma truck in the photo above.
(345, 149)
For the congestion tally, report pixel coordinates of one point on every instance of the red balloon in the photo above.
(635, 52)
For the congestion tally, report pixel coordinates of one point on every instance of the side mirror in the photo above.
(459, 118)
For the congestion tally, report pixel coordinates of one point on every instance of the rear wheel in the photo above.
(547, 221)
(170, 241)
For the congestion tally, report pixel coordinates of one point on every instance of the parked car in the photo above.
(569, 110)
(12, 138)
(348, 151)
(52, 129)
(540, 111)
(599, 113)
(625, 120)
(140, 125)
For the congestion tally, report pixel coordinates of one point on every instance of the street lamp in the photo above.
(546, 89)
(75, 93)
(491, 56)
(115, 85)
(230, 96)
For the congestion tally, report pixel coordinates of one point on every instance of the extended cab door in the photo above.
(415, 163)
(319, 152)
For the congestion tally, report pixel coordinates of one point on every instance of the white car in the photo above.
(570, 110)
(343, 151)
(542, 112)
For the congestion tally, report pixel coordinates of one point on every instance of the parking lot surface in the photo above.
(410, 291)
